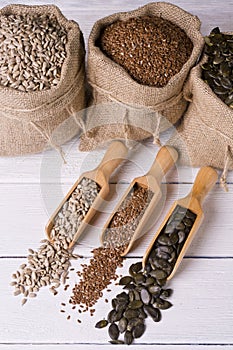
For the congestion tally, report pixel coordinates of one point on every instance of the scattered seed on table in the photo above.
(50, 264)
(144, 290)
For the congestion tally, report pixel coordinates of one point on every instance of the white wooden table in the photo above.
(32, 186)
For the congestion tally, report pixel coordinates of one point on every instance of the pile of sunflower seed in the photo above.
(146, 295)
(217, 72)
(49, 265)
(32, 51)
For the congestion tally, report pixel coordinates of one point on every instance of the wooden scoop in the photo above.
(165, 159)
(205, 180)
(115, 154)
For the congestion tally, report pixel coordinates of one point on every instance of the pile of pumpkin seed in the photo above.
(144, 289)
(217, 72)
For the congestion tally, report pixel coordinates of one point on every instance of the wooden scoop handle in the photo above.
(115, 154)
(165, 159)
(204, 182)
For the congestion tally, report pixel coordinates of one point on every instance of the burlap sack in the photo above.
(28, 119)
(205, 136)
(111, 83)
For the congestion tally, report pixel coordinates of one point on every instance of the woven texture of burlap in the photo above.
(111, 83)
(205, 136)
(28, 119)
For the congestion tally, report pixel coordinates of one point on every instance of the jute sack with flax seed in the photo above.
(205, 136)
(136, 108)
(28, 119)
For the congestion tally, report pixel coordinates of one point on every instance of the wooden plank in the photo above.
(31, 205)
(48, 167)
(211, 13)
(202, 311)
(108, 347)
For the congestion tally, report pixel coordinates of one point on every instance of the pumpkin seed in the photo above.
(166, 293)
(131, 313)
(135, 304)
(116, 342)
(153, 312)
(135, 268)
(128, 338)
(113, 331)
(101, 324)
(122, 325)
(162, 304)
(125, 280)
(138, 330)
(158, 274)
(145, 296)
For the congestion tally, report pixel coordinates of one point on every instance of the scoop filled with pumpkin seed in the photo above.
(217, 71)
(145, 293)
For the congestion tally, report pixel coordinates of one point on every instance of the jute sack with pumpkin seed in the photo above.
(205, 135)
(42, 78)
(141, 100)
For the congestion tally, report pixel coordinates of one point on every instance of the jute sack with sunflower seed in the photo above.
(33, 120)
(205, 135)
(136, 108)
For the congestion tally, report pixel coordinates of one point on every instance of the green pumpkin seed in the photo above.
(164, 240)
(208, 41)
(114, 303)
(131, 313)
(113, 331)
(112, 316)
(128, 338)
(122, 325)
(139, 278)
(153, 312)
(135, 268)
(174, 237)
(169, 229)
(134, 322)
(135, 304)
(131, 295)
(154, 289)
(125, 280)
(181, 235)
(162, 304)
(158, 274)
(166, 293)
(188, 222)
(101, 324)
(149, 281)
(116, 342)
(139, 330)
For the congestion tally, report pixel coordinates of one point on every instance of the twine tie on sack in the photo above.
(80, 122)
(156, 133)
(158, 106)
(126, 129)
(227, 162)
(48, 138)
